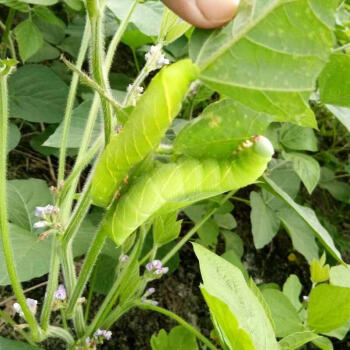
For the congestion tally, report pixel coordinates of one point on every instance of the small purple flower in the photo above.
(32, 304)
(42, 212)
(60, 293)
(87, 341)
(103, 334)
(149, 266)
(157, 264)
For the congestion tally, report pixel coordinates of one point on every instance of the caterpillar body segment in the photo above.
(176, 185)
(143, 130)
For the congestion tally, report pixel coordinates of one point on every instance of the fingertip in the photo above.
(205, 14)
(217, 13)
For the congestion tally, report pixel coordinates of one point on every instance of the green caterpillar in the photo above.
(144, 129)
(176, 185)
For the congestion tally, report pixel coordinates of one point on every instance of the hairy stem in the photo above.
(85, 272)
(97, 64)
(52, 284)
(179, 320)
(195, 228)
(70, 103)
(5, 235)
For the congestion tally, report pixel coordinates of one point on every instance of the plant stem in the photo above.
(90, 294)
(70, 103)
(117, 313)
(57, 332)
(179, 320)
(77, 218)
(195, 228)
(6, 35)
(70, 280)
(114, 292)
(85, 272)
(97, 64)
(52, 284)
(6, 242)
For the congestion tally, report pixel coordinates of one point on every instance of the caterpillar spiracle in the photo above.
(143, 130)
(176, 185)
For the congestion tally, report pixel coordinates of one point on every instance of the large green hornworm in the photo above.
(176, 185)
(143, 130)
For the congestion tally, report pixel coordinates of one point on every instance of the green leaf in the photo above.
(179, 338)
(47, 15)
(342, 114)
(233, 242)
(37, 94)
(298, 138)
(323, 343)
(76, 130)
(220, 129)
(284, 315)
(339, 190)
(280, 81)
(307, 215)
(306, 167)
(47, 52)
(17, 5)
(292, 289)
(166, 228)
(7, 344)
(225, 282)
(303, 237)
(32, 257)
(232, 257)
(329, 308)
(14, 137)
(227, 324)
(225, 221)
(334, 82)
(340, 276)
(23, 197)
(319, 271)
(265, 223)
(147, 17)
(29, 39)
(296, 340)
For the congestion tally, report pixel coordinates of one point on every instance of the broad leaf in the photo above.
(292, 289)
(225, 282)
(323, 343)
(41, 2)
(179, 338)
(227, 324)
(76, 130)
(166, 228)
(306, 167)
(7, 344)
(146, 17)
(29, 39)
(17, 5)
(37, 94)
(265, 223)
(23, 197)
(303, 237)
(342, 114)
(284, 315)
(220, 129)
(298, 138)
(340, 276)
(14, 137)
(264, 59)
(334, 82)
(296, 340)
(329, 308)
(307, 215)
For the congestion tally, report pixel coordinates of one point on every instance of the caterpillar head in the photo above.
(263, 146)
